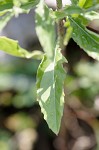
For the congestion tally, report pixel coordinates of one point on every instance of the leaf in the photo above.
(67, 35)
(68, 10)
(8, 5)
(90, 3)
(74, 1)
(93, 8)
(50, 80)
(92, 15)
(50, 75)
(45, 29)
(30, 4)
(4, 19)
(9, 8)
(4, 8)
(25, 4)
(86, 39)
(81, 3)
(11, 47)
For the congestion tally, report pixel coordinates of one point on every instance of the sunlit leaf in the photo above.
(11, 47)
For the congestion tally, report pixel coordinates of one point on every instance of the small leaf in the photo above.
(86, 39)
(45, 29)
(67, 35)
(11, 47)
(68, 10)
(50, 80)
(74, 2)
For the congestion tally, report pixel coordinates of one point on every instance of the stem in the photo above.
(60, 26)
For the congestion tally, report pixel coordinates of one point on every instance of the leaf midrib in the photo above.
(89, 36)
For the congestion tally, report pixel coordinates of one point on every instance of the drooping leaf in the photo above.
(11, 47)
(45, 29)
(86, 39)
(50, 80)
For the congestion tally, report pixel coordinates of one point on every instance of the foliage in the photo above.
(51, 75)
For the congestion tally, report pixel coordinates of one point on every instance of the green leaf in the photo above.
(30, 4)
(9, 8)
(93, 8)
(50, 75)
(67, 35)
(5, 8)
(4, 19)
(68, 10)
(86, 39)
(50, 80)
(74, 2)
(11, 47)
(45, 29)
(81, 3)
(92, 15)
(25, 4)
(8, 5)
(90, 3)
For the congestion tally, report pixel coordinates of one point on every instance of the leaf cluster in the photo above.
(51, 75)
